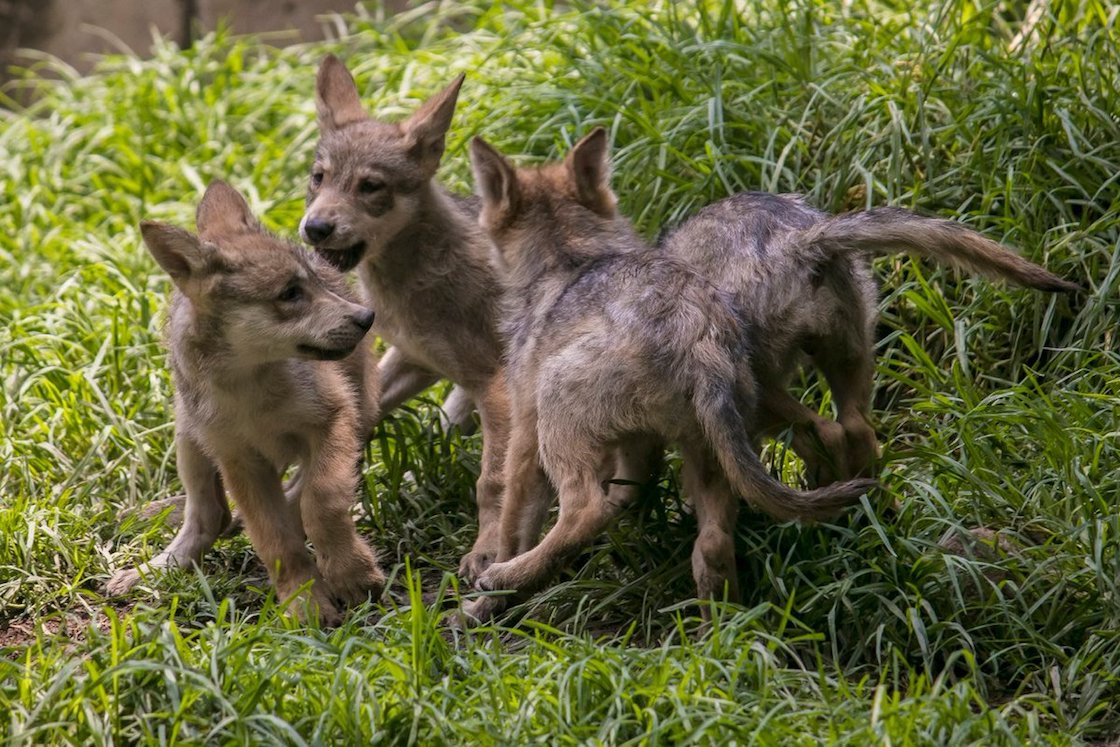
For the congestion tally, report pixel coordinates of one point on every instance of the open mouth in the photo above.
(324, 354)
(343, 260)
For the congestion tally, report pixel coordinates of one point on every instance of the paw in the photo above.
(478, 612)
(313, 604)
(122, 582)
(354, 578)
(863, 452)
(494, 578)
(329, 616)
(475, 563)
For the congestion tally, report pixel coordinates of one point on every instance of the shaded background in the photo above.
(76, 31)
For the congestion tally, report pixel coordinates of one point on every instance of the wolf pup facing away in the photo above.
(269, 371)
(608, 340)
(803, 283)
(373, 204)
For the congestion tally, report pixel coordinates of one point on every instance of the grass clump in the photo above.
(982, 608)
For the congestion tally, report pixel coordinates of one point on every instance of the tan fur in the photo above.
(612, 346)
(269, 371)
(422, 260)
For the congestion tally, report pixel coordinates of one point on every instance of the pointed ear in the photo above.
(495, 181)
(178, 252)
(224, 211)
(426, 129)
(336, 95)
(590, 167)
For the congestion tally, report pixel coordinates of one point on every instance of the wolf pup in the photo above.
(373, 204)
(268, 369)
(803, 283)
(608, 340)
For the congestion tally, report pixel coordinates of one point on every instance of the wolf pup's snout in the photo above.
(363, 319)
(317, 230)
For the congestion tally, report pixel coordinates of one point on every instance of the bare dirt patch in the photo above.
(72, 625)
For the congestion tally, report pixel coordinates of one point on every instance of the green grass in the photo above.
(998, 408)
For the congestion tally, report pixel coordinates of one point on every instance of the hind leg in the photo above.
(527, 497)
(819, 441)
(205, 517)
(584, 513)
(458, 411)
(716, 507)
(494, 409)
(848, 365)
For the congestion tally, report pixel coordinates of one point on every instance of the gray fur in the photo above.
(610, 342)
(803, 285)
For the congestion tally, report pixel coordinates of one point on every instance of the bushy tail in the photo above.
(719, 417)
(891, 230)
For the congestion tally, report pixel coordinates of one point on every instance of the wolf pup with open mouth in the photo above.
(270, 370)
(374, 205)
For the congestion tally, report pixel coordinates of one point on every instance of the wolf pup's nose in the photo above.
(316, 230)
(364, 319)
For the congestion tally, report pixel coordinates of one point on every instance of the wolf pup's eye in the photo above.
(291, 294)
(369, 186)
(316, 178)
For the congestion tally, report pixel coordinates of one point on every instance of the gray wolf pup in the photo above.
(609, 340)
(803, 284)
(373, 204)
(265, 353)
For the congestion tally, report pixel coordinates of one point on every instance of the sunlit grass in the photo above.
(998, 408)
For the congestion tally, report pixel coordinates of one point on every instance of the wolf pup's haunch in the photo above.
(270, 370)
(609, 341)
(802, 281)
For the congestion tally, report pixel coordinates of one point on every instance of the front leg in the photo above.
(276, 530)
(493, 407)
(636, 465)
(527, 495)
(178, 503)
(458, 412)
(329, 486)
(401, 380)
(205, 517)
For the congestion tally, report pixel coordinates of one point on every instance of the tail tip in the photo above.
(1058, 285)
(832, 500)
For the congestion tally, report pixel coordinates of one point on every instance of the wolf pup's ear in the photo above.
(336, 95)
(178, 252)
(224, 211)
(589, 165)
(426, 129)
(495, 181)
